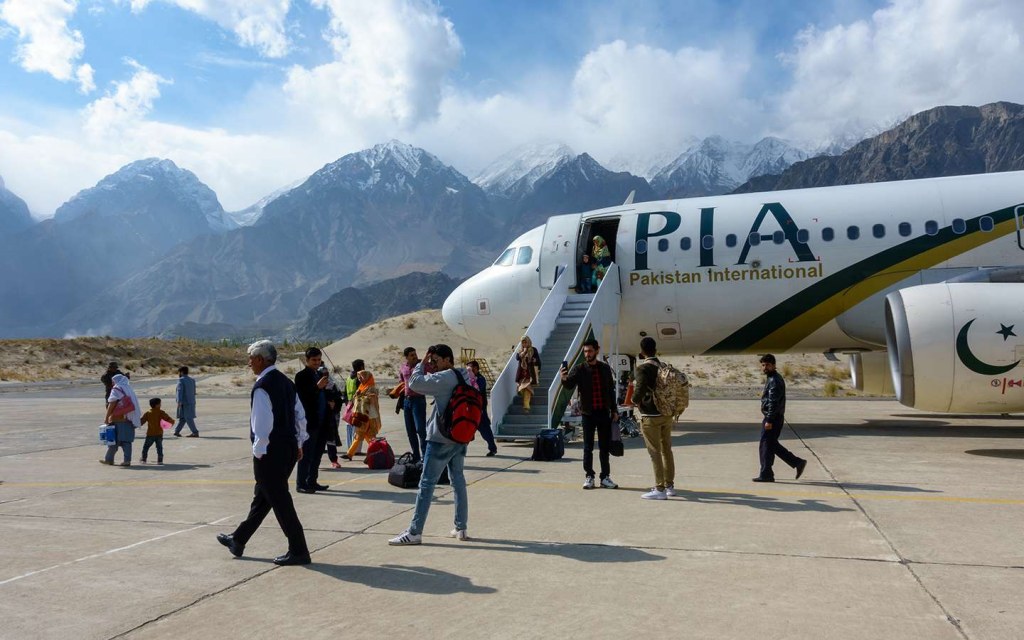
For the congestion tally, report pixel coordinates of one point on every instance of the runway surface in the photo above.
(905, 525)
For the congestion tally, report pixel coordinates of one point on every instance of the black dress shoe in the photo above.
(800, 466)
(305, 490)
(760, 479)
(292, 558)
(321, 487)
(491, 454)
(228, 541)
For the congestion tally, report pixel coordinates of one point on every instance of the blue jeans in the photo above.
(436, 458)
(415, 409)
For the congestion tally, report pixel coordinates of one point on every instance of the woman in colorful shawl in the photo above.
(528, 371)
(601, 257)
(365, 403)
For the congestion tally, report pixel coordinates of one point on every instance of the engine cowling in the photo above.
(954, 347)
(870, 373)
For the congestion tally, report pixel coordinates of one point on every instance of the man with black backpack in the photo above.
(656, 428)
(442, 451)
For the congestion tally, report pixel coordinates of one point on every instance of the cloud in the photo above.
(909, 56)
(46, 43)
(391, 58)
(256, 23)
(126, 105)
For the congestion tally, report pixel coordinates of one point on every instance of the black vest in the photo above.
(283, 436)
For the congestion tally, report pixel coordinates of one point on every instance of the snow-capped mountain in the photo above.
(248, 216)
(521, 168)
(717, 166)
(648, 163)
(155, 188)
(14, 213)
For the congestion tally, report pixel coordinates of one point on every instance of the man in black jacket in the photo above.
(773, 408)
(311, 384)
(277, 429)
(594, 380)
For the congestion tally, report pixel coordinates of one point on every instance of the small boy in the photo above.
(154, 431)
(586, 279)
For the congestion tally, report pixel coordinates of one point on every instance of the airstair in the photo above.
(563, 322)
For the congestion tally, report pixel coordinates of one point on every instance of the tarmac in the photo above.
(905, 525)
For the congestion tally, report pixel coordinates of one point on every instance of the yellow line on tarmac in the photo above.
(490, 483)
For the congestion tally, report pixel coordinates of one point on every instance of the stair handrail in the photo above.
(603, 310)
(543, 323)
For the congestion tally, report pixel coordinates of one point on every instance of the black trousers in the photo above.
(312, 454)
(770, 448)
(600, 421)
(271, 493)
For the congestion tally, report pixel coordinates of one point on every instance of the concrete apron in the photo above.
(914, 536)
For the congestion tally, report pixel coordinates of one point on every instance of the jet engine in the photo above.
(956, 346)
(870, 373)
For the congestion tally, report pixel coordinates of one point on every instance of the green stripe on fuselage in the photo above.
(792, 320)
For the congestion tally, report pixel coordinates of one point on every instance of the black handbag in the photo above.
(615, 446)
(405, 474)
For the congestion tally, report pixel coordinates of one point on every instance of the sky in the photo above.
(252, 95)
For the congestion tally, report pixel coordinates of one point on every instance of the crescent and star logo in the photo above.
(972, 362)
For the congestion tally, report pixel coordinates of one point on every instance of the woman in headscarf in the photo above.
(124, 413)
(601, 257)
(365, 403)
(528, 371)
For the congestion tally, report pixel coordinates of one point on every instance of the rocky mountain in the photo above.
(354, 307)
(514, 174)
(944, 141)
(156, 190)
(97, 240)
(717, 166)
(376, 214)
(248, 216)
(14, 213)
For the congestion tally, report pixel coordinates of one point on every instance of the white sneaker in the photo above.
(459, 534)
(670, 491)
(406, 538)
(654, 494)
(607, 483)
(587, 484)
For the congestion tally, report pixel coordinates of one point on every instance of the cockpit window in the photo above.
(506, 258)
(525, 255)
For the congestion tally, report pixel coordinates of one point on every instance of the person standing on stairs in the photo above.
(528, 371)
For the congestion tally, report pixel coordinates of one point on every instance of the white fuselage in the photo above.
(801, 270)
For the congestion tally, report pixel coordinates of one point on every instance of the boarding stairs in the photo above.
(563, 322)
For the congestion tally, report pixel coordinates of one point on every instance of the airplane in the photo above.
(919, 282)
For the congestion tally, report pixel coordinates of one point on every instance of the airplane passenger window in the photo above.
(828, 234)
(959, 226)
(641, 246)
(986, 223)
(685, 244)
(905, 229)
(754, 239)
(931, 228)
(506, 258)
(853, 232)
(778, 237)
(708, 242)
(525, 255)
(878, 230)
(663, 245)
(803, 235)
(730, 240)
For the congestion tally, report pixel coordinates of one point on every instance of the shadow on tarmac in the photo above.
(861, 486)
(1010, 454)
(766, 503)
(705, 434)
(395, 577)
(582, 552)
(385, 496)
(168, 466)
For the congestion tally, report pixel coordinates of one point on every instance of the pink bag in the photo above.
(349, 414)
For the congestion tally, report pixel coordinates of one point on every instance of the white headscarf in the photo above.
(122, 387)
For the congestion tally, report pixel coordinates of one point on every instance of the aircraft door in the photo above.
(1018, 213)
(559, 248)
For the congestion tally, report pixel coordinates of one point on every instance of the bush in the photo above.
(832, 389)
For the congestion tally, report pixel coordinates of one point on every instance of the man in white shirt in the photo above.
(277, 429)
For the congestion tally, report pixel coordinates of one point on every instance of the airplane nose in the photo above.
(451, 312)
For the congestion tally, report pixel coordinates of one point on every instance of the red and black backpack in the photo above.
(462, 415)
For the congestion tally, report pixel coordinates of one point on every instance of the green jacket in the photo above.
(645, 378)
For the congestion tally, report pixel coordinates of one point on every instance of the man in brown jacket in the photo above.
(657, 429)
